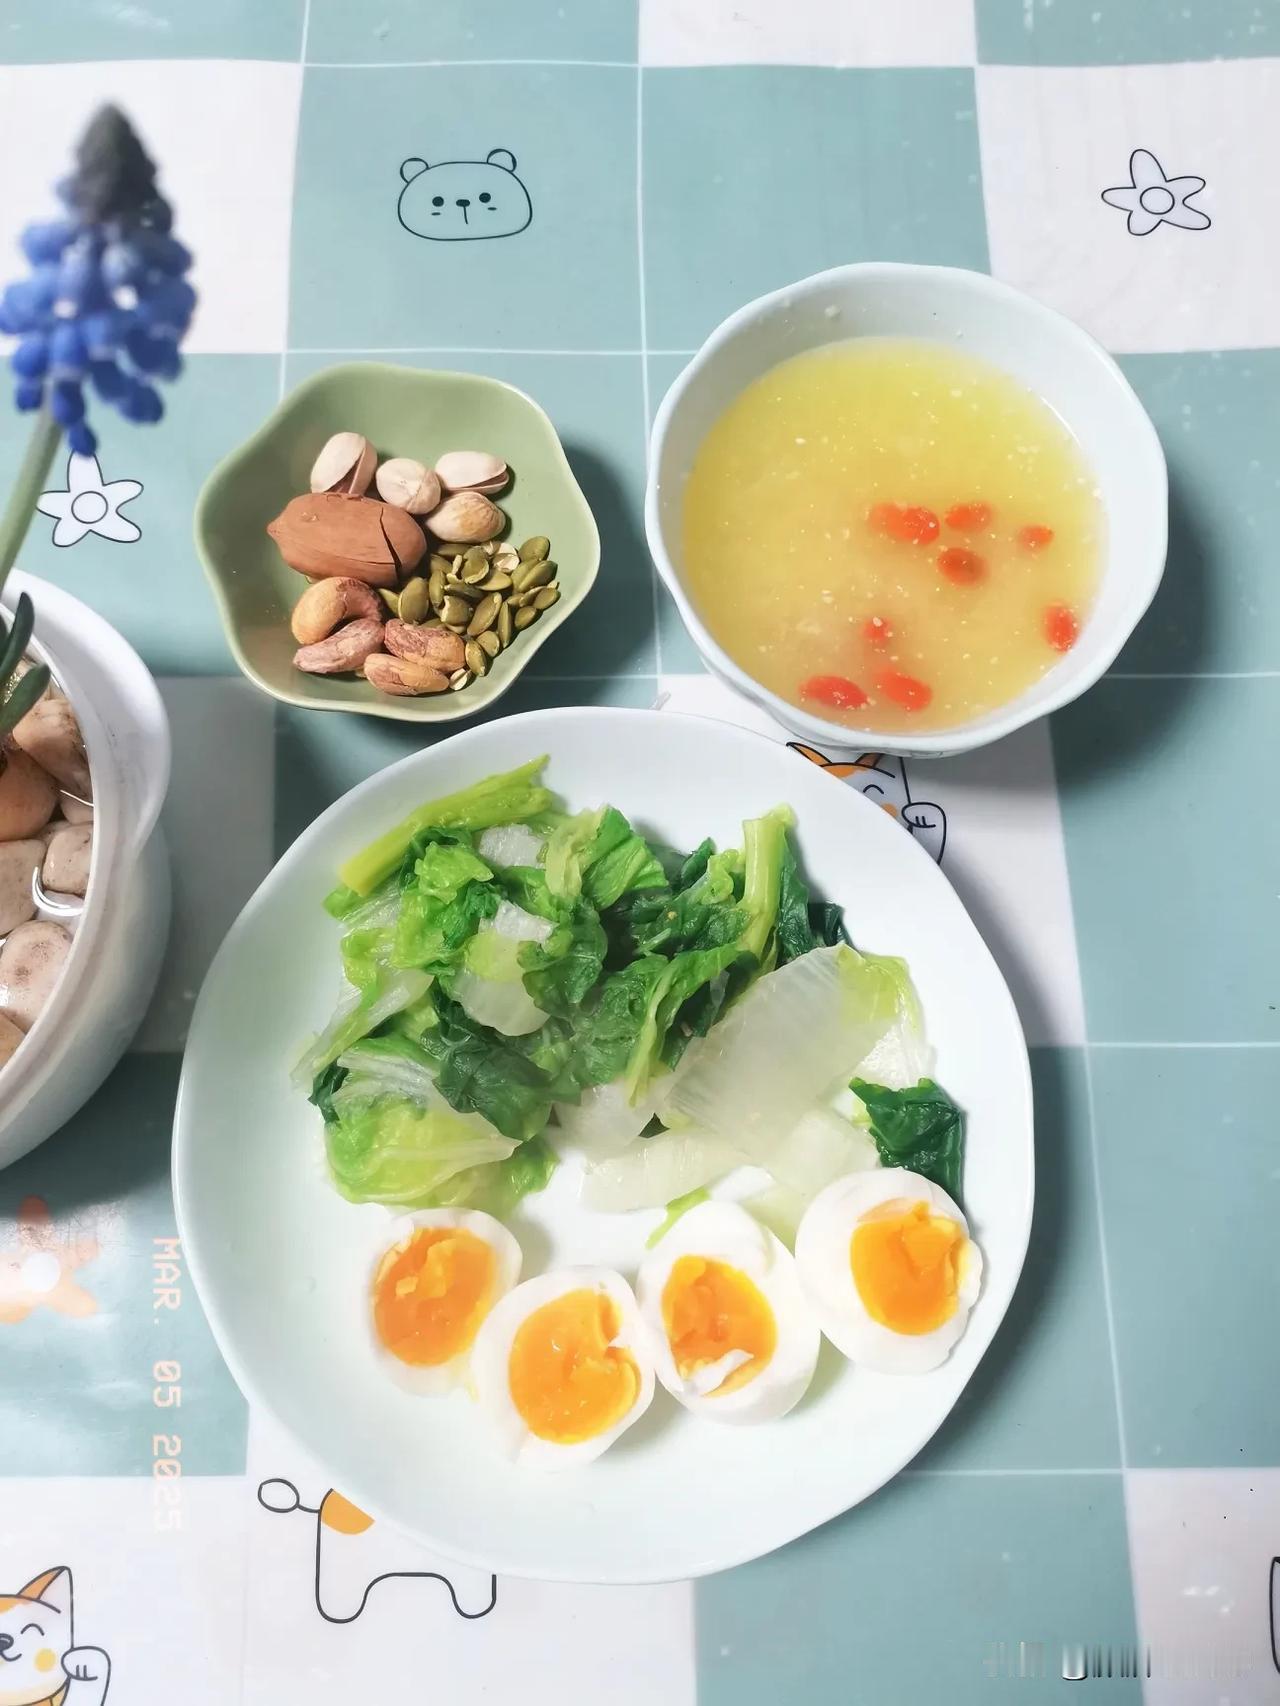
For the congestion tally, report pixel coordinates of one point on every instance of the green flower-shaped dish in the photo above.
(403, 412)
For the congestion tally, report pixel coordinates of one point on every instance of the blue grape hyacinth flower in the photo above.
(107, 302)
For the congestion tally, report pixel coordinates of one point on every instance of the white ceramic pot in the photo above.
(971, 312)
(115, 957)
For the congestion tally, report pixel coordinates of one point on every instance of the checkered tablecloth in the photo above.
(1110, 1481)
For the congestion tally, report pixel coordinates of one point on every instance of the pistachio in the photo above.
(405, 677)
(486, 614)
(523, 618)
(472, 470)
(422, 644)
(390, 599)
(455, 612)
(346, 464)
(415, 600)
(505, 628)
(489, 642)
(477, 658)
(535, 549)
(459, 679)
(408, 485)
(327, 604)
(545, 597)
(534, 574)
(468, 516)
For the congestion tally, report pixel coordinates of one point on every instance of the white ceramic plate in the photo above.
(280, 1260)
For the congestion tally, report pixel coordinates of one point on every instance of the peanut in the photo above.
(434, 646)
(344, 652)
(327, 604)
(405, 677)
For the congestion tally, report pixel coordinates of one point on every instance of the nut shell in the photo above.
(472, 470)
(327, 534)
(346, 464)
(409, 485)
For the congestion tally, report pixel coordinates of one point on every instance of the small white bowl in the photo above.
(115, 956)
(968, 311)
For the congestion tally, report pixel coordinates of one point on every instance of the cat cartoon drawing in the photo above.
(37, 1272)
(353, 1554)
(883, 779)
(464, 201)
(40, 1664)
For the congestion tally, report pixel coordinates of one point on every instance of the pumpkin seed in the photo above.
(497, 582)
(435, 585)
(415, 600)
(477, 658)
(535, 549)
(486, 614)
(453, 551)
(455, 612)
(459, 679)
(390, 599)
(524, 617)
(545, 597)
(518, 600)
(463, 589)
(490, 642)
(475, 567)
(534, 574)
(436, 561)
(505, 629)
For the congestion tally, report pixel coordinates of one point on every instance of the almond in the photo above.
(405, 677)
(325, 534)
(420, 644)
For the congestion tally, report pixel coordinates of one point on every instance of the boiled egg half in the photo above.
(886, 1259)
(436, 1276)
(562, 1367)
(734, 1338)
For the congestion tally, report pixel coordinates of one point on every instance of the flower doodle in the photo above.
(90, 505)
(1151, 199)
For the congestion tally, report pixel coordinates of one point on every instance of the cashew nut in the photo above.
(30, 963)
(437, 647)
(19, 862)
(406, 677)
(28, 795)
(66, 859)
(344, 652)
(327, 604)
(50, 734)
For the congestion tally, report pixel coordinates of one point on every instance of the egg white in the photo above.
(440, 1377)
(491, 1358)
(822, 1257)
(723, 1232)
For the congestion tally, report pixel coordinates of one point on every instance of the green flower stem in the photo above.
(32, 477)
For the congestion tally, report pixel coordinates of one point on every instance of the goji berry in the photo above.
(834, 690)
(910, 524)
(904, 690)
(1035, 537)
(1061, 627)
(961, 565)
(970, 518)
(876, 631)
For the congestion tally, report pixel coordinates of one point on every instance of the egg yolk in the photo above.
(906, 1266)
(431, 1292)
(710, 1309)
(568, 1382)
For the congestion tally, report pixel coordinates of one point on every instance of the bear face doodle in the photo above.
(464, 201)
